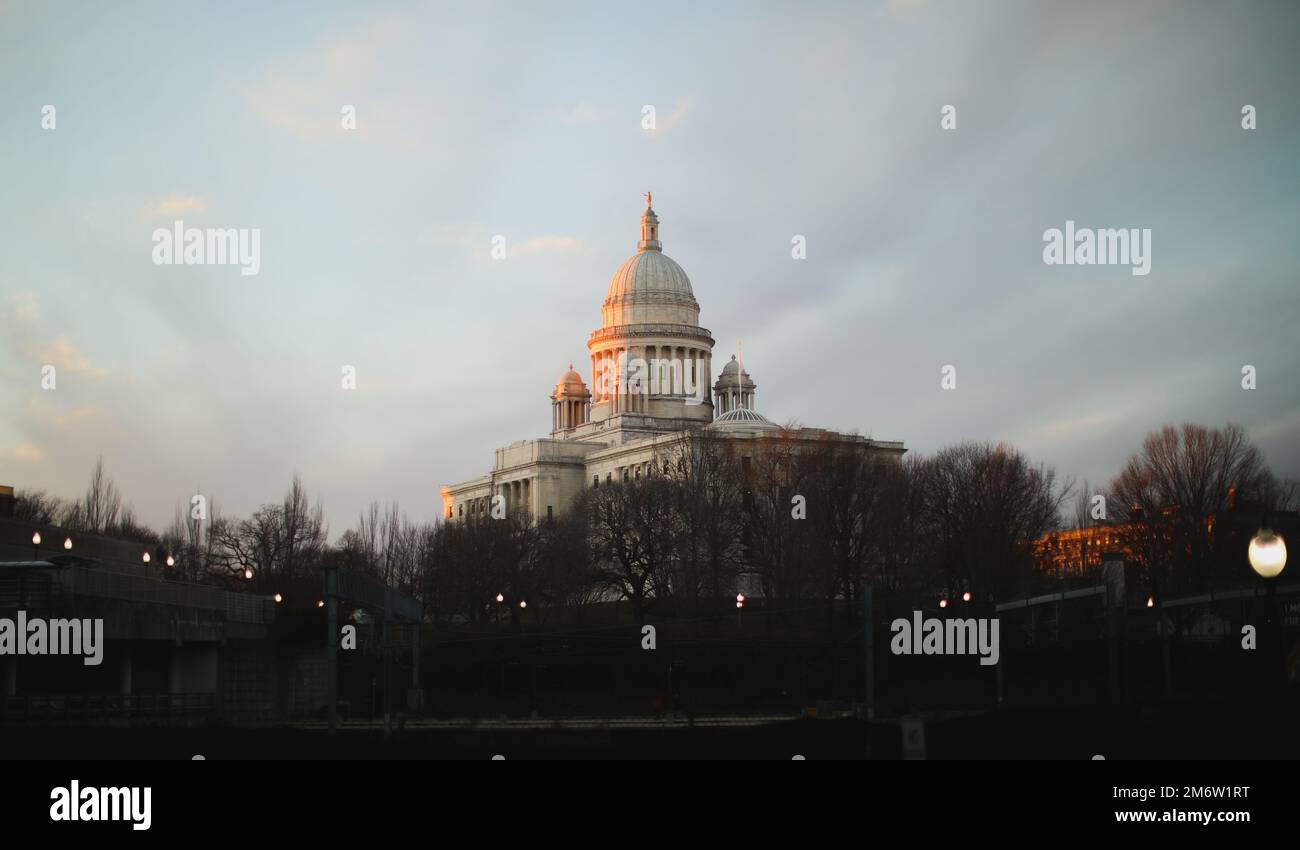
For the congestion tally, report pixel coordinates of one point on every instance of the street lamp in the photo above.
(278, 598)
(740, 607)
(171, 562)
(67, 543)
(500, 598)
(248, 574)
(965, 597)
(943, 603)
(146, 557)
(36, 545)
(523, 603)
(1267, 553)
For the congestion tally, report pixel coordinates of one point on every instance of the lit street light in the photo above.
(146, 557)
(943, 603)
(523, 604)
(965, 597)
(67, 543)
(36, 545)
(171, 562)
(278, 598)
(248, 574)
(500, 598)
(1267, 554)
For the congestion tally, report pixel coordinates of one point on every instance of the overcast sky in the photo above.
(924, 245)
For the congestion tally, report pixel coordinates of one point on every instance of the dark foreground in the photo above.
(1203, 730)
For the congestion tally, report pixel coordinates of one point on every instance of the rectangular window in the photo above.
(595, 481)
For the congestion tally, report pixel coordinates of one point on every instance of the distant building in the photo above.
(1077, 552)
(651, 366)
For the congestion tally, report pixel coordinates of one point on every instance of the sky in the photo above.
(525, 120)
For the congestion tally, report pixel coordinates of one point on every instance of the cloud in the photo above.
(586, 113)
(24, 306)
(902, 7)
(175, 205)
(67, 357)
(541, 244)
(29, 452)
(306, 94)
(672, 120)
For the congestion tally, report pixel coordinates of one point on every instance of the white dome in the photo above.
(742, 419)
(650, 288)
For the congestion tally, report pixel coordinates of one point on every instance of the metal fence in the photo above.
(90, 708)
(236, 607)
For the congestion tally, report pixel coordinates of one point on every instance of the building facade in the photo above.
(651, 368)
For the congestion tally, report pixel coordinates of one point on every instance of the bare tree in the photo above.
(702, 472)
(38, 507)
(1167, 492)
(629, 526)
(985, 503)
(102, 504)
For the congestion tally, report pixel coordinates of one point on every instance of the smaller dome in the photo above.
(570, 384)
(743, 419)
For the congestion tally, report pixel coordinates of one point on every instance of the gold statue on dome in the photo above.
(647, 200)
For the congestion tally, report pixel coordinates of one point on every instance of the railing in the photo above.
(377, 596)
(236, 607)
(88, 708)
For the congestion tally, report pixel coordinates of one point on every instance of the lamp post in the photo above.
(1267, 554)
(36, 545)
(67, 543)
(740, 608)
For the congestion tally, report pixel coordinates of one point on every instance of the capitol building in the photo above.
(651, 368)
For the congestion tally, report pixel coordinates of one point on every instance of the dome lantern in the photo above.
(734, 389)
(649, 229)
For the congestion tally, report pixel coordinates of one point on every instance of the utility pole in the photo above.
(869, 647)
(332, 646)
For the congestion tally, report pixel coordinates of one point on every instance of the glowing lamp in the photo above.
(1267, 553)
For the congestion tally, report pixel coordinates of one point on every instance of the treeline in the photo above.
(805, 520)
(282, 547)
